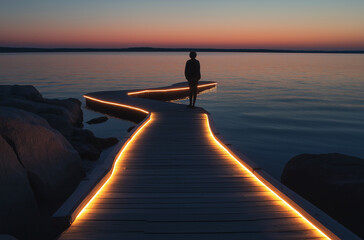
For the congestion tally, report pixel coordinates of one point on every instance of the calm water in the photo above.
(270, 106)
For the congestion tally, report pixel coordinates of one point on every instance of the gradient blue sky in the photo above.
(278, 24)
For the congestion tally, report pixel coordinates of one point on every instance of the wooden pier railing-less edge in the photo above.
(90, 187)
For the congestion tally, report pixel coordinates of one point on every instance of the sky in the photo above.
(269, 24)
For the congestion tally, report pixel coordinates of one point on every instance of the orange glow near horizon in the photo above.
(266, 38)
(276, 24)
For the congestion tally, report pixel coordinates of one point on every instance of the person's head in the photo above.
(193, 54)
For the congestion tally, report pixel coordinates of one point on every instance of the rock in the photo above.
(89, 146)
(5, 91)
(87, 151)
(27, 91)
(97, 120)
(333, 182)
(7, 237)
(23, 104)
(18, 207)
(73, 105)
(107, 142)
(61, 118)
(28, 98)
(59, 111)
(53, 166)
(62, 115)
(58, 117)
(85, 143)
(131, 128)
(61, 124)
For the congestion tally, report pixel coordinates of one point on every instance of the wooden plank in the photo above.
(101, 235)
(191, 217)
(264, 225)
(147, 204)
(180, 217)
(188, 195)
(139, 184)
(107, 213)
(293, 235)
(166, 200)
(173, 190)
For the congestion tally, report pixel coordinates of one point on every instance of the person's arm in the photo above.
(188, 70)
(199, 72)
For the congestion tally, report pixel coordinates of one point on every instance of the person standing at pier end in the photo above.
(193, 74)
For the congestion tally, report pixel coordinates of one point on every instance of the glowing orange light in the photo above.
(170, 89)
(118, 158)
(225, 149)
(116, 104)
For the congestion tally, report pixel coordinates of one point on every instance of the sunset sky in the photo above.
(274, 24)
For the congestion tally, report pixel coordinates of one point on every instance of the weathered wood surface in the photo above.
(174, 182)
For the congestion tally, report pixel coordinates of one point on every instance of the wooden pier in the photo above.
(173, 178)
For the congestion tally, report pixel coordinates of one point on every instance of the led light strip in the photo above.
(223, 147)
(116, 104)
(170, 90)
(119, 155)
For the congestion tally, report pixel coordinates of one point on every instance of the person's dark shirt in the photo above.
(192, 70)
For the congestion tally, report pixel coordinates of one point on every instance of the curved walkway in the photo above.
(173, 179)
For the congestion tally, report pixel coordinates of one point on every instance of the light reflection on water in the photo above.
(270, 106)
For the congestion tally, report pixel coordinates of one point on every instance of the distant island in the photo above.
(151, 49)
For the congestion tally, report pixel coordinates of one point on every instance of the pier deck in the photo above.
(175, 181)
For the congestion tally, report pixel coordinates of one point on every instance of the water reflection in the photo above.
(271, 106)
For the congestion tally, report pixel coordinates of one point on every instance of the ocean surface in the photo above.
(271, 106)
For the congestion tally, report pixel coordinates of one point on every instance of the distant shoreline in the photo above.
(150, 49)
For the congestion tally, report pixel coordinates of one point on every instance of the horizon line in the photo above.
(165, 49)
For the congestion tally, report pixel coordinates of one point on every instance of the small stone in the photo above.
(97, 120)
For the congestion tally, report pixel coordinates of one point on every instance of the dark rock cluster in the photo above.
(63, 115)
(333, 182)
(41, 143)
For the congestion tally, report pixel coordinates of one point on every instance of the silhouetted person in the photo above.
(192, 73)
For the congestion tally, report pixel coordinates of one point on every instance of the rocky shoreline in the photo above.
(44, 149)
(333, 182)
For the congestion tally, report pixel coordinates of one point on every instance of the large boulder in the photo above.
(28, 98)
(333, 182)
(61, 124)
(23, 104)
(88, 146)
(74, 117)
(26, 91)
(53, 166)
(18, 207)
(7, 237)
(21, 91)
(63, 115)
(73, 106)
